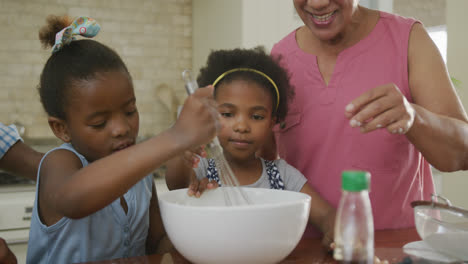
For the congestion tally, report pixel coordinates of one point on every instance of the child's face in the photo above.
(102, 116)
(246, 117)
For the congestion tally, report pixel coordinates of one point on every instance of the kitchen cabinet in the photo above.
(16, 203)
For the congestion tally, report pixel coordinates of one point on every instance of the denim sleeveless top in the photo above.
(106, 234)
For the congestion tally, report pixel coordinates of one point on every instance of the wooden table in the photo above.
(388, 244)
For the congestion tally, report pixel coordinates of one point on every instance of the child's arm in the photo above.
(157, 240)
(179, 170)
(322, 214)
(66, 189)
(178, 173)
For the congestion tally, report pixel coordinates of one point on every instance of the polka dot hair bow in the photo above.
(83, 26)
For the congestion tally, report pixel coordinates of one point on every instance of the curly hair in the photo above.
(81, 60)
(221, 61)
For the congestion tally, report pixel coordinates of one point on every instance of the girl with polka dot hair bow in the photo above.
(95, 194)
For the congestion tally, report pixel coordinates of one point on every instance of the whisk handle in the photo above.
(190, 83)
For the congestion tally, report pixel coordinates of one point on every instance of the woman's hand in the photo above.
(6, 256)
(196, 187)
(381, 107)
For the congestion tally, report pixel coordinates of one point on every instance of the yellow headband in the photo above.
(251, 70)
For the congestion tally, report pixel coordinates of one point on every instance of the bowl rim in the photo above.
(440, 206)
(418, 206)
(305, 197)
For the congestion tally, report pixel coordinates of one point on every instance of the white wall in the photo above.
(225, 24)
(382, 5)
(265, 22)
(154, 38)
(455, 184)
(216, 25)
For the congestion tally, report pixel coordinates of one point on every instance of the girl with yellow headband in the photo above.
(252, 92)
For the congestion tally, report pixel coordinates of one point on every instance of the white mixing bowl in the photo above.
(443, 227)
(204, 230)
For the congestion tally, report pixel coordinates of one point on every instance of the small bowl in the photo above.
(205, 230)
(443, 227)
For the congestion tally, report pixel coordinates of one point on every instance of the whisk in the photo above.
(233, 193)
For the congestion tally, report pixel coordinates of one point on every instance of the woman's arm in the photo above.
(6, 256)
(436, 123)
(440, 129)
(21, 160)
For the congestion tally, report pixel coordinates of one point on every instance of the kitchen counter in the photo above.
(388, 244)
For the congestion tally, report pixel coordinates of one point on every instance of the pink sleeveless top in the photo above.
(316, 137)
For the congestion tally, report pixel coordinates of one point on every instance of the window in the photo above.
(439, 36)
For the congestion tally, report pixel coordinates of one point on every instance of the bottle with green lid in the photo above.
(354, 226)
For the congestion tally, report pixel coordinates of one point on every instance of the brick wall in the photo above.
(429, 12)
(154, 38)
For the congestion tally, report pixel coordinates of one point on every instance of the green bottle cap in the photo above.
(355, 181)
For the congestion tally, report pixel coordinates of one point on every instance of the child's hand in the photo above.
(196, 187)
(328, 229)
(378, 261)
(197, 121)
(327, 241)
(192, 157)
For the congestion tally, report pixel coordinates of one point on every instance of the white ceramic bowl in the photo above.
(204, 230)
(444, 229)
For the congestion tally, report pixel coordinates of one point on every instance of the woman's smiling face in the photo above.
(326, 19)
